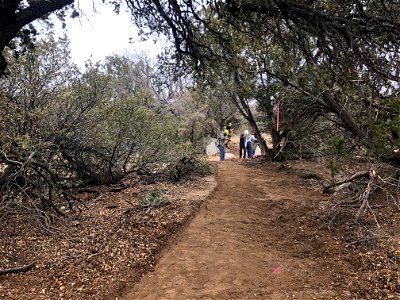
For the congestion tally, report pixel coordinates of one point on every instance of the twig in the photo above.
(94, 254)
(373, 214)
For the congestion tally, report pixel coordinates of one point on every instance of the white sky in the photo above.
(101, 32)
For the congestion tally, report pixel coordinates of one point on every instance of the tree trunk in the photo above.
(12, 21)
(348, 120)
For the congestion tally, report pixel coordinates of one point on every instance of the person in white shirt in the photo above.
(249, 145)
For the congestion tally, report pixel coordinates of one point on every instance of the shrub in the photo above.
(154, 198)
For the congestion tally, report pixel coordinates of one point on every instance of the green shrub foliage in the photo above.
(60, 128)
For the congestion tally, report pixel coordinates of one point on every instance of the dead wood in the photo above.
(366, 239)
(119, 189)
(328, 189)
(365, 195)
(17, 269)
(352, 202)
(87, 190)
(124, 186)
(145, 207)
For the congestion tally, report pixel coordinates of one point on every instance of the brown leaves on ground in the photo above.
(100, 251)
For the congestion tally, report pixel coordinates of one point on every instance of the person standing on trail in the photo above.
(226, 137)
(249, 144)
(242, 143)
(221, 146)
(229, 128)
(228, 131)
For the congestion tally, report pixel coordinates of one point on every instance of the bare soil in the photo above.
(255, 230)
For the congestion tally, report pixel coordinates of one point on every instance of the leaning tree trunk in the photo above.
(348, 120)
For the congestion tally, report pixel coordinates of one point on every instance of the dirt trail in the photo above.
(240, 246)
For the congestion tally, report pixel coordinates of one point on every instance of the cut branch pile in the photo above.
(363, 185)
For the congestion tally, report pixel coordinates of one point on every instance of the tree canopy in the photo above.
(333, 59)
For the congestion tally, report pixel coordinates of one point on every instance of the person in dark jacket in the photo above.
(242, 143)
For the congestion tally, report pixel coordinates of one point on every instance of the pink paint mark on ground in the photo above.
(277, 269)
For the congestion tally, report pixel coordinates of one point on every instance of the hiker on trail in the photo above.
(249, 144)
(221, 146)
(228, 131)
(229, 128)
(242, 143)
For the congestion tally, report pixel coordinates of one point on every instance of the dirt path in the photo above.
(258, 235)
(241, 246)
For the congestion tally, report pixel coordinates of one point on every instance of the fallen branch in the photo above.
(365, 239)
(87, 190)
(94, 254)
(365, 195)
(350, 202)
(145, 207)
(18, 269)
(119, 189)
(350, 179)
(124, 187)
